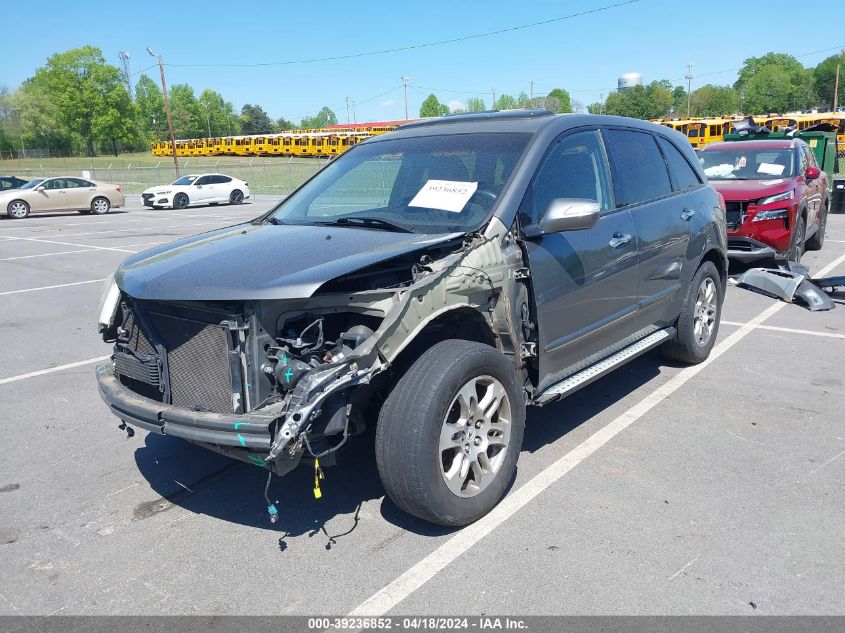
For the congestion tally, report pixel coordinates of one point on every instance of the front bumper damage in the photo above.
(746, 249)
(479, 275)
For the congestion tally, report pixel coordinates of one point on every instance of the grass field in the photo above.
(136, 172)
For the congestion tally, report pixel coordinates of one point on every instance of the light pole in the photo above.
(167, 109)
(405, 81)
(347, 110)
(689, 79)
(493, 107)
(354, 118)
(207, 119)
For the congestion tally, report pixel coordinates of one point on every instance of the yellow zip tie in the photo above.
(318, 475)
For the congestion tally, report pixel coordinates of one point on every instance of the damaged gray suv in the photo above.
(432, 282)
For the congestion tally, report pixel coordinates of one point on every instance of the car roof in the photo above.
(517, 121)
(775, 143)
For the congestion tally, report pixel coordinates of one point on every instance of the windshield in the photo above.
(433, 184)
(743, 163)
(32, 184)
(184, 180)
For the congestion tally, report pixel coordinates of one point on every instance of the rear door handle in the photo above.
(618, 240)
(687, 214)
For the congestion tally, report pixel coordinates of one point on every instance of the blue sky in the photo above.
(584, 54)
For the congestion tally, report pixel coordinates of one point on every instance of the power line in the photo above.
(410, 47)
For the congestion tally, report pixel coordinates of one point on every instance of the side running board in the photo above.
(605, 366)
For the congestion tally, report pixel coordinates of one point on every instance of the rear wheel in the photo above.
(17, 209)
(100, 206)
(180, 201)
(698, 322)
(236, 197)
(450, 432)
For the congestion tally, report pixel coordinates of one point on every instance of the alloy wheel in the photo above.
(706, 304)
(475, 436)
(18, 209)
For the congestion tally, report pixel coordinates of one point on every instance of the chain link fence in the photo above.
(275, 175)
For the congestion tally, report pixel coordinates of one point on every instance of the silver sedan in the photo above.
(62, 194)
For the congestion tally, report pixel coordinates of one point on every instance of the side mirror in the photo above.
(199, 186)
(812, 173)
(40, 188)
(569, 214)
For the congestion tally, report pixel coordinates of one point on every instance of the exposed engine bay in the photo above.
(270, 381)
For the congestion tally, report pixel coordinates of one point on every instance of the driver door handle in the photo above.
(687, 214)
(619, 239)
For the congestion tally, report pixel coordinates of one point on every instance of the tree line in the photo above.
(79, 103)
(774, 82)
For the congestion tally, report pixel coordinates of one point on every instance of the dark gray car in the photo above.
(434, 282)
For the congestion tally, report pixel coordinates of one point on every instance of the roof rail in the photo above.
(486, 115)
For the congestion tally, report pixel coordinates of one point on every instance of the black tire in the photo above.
(100, 205)
(798, 246)
(409, 455)
(180, 201)
(816, 242)
(236, 197)
(687, 346)
(18, 209)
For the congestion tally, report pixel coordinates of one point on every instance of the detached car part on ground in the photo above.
(433, 281)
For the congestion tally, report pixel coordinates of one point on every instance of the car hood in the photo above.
(751, 189)
(263, 261)
(160, 188)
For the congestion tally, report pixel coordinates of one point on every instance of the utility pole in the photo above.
(347, 110)
(493, 107)
(601, 103)
(405, 81)
(20, 126)
(836, 85)
(689, 79)
(531, 88)
(167, 109)
(354, 118)
(207, 119)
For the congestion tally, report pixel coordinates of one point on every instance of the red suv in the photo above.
(775, 195)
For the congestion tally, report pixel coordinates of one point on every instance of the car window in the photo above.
(683, 175)
(574, 168)
(222, 179)
(205, 180)
(80, 182)
(71, 183)
(56, 183)
(811, 158)
(639, 171)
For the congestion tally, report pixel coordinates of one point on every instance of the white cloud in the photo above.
(454, 104)
(388, 103)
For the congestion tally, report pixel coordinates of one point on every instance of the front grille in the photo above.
(735, 214)
(198, 362)
(147, 196)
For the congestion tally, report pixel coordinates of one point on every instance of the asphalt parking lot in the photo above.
(656, 490)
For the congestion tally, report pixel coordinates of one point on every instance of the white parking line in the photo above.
(33, 239)
(11, 259)
(790, 330)
(41, 372)
(407, 583)
(75, 283)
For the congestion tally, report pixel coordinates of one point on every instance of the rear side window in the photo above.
(639, 171)
(683, 175)
(221, 179)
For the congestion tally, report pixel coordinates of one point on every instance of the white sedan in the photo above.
(197, 189)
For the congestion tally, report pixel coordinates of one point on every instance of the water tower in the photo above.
(629, 80)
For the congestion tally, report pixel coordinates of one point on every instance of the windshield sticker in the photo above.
(725, 170)
(772, 169)
(444, 195)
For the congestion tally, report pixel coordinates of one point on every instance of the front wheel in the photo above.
(17, 209)
(236, 197)
(450, 432)
(698, 322)
(796, 250)
(100, 206)
(180, 201)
